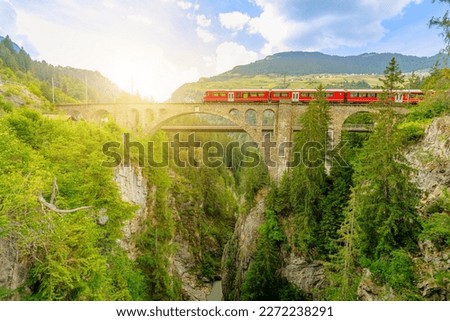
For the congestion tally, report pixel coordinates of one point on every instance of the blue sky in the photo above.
(155, 46)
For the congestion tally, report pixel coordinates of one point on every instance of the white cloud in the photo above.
(146, 21)
(318, 25)
(275, 29)
(205, 35)
(185, 5)
(231, 54)
(202, 21)
(110, 4)
(234, 21)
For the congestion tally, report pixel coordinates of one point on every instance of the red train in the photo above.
(352, 96)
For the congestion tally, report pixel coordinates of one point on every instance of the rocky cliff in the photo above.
(430, 159)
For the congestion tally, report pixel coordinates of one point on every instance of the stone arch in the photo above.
(235, 113)
(102, 116)
(358, 120)
(75, 114)
(340, 115)
(161, 121)
(268, 117)
(252, 133)
(251, 117)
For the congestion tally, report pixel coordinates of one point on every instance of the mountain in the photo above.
(53, 83)
(305, 70)
(305, 63)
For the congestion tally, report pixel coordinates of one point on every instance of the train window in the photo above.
(238, 95)
(260, 94)
(329, 95)
(372, 95)
(275, 94)
(284, 95)
(354, 95)
(306, 95)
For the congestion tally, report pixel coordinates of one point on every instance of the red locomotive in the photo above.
(352, 96)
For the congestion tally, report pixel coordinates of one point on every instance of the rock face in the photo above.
(306, 276)
(433, 272)
(431, 159)
(183, 262)
(133, 189)
(369, 291)
(240, 249)
(13, 272)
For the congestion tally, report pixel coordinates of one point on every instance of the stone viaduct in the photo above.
(256, 119)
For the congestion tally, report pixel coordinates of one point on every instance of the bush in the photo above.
(437, 230)
(395, 270)
(412, 132)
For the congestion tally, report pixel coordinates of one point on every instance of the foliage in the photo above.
(155, 243)
(411, 132)
(71, 256)
(384, 199)
(395, 270)
(393, 77)
(308, 180)
(444, 24)
(436, 228)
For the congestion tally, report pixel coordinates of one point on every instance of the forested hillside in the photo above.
(54, 83)
(306, 63)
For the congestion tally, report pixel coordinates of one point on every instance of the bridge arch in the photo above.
(236, 120)
(341, 113)
(268, 117)
(251, 117)
(102, 116)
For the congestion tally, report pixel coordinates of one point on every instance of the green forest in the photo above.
(62, 214)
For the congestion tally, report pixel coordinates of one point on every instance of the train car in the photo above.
(335, 95)
(236, 95)
(362, 96)
(249, 95)
(216, 95)
(283, 94)
(410, 96)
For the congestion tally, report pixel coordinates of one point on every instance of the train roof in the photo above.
(370, 90)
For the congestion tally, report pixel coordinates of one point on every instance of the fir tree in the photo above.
(383, 199)
(393, 77)
(309, 177)
(444, 24)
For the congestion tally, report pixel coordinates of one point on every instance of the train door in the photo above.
(231, 96)
(399, 97)
(295, 96)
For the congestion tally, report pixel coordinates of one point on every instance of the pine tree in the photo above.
(384, 200)
(393, 77)
(444, 24)
(309, 177)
